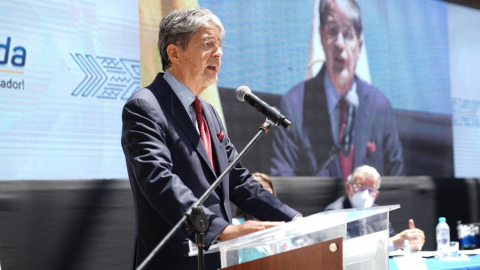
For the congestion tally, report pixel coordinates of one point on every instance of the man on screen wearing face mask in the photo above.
(362, 188)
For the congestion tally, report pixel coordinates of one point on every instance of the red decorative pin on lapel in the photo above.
(220, 135)
(371, 147)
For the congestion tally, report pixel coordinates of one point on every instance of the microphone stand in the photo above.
(332, 155)
(195, 218)
(344, 144)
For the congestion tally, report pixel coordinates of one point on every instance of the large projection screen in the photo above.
(67, 68)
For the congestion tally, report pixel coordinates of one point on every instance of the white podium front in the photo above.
(365, 236)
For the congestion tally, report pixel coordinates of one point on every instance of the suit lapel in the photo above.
(175, 107)
(218, 149)
(219, 152)
(317, 122)
(362, 125)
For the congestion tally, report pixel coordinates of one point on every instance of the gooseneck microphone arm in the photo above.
(347, 132)
(344, 143)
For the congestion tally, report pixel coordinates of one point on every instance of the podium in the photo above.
(342, 239)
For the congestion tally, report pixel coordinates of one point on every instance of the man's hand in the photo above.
(249, 226)
(297, 217)
(415, 236)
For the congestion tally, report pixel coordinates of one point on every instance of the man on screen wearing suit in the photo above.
(321, 107)
(175, 147)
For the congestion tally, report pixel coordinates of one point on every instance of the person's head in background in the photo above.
(341, 37)
(362, 186)
(267, 184)
(265, 181)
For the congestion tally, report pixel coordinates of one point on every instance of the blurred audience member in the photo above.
(362, 189)
(249, 254)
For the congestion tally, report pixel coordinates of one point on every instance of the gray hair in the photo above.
(367, 172)
(353, 12)
(178, 27)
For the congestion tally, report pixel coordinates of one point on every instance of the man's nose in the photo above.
(218, 52)
(340, 41)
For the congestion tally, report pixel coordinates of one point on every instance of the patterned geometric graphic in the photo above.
(107, 77)
(466, 112)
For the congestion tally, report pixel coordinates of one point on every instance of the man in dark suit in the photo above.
(337, 108)
(362, 189)
(175, 147)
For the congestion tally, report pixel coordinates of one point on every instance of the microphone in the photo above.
(352, 100)
(245, 94)
(347, 132)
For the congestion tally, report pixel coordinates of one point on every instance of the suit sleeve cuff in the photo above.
(217, 225)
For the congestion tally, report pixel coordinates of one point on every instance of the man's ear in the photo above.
(360, 43)
(347, 188)
(173, 52)
(322, 32)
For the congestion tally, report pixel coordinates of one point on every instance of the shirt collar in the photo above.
(333, 97)
(182, 92)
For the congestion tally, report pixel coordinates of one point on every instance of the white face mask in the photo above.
(362, 200)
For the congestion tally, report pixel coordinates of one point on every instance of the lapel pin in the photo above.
(220, 135)
(371, 147)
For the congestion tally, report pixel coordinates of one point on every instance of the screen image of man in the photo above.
(337, 107)
(362, 189)
(175, 146)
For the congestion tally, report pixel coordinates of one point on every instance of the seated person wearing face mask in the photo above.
(362, 188)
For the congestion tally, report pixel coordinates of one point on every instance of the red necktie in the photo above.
(203, 129)
(346, 162)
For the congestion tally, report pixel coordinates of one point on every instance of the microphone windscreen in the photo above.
(352, 99)
(242, 91)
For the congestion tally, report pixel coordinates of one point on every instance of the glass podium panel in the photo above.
(365, 236)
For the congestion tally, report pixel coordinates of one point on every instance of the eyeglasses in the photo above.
(360, 188)
(334, 28)
(210, 45)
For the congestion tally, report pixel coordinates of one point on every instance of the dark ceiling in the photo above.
(467, 3)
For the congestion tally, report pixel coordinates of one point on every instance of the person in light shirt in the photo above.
(250, 254)
(176, 146)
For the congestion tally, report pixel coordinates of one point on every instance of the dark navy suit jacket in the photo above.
(303, 150)
(169, 169)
